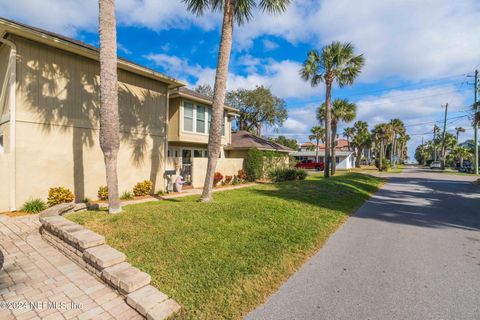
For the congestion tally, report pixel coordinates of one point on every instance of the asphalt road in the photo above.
(411, 252)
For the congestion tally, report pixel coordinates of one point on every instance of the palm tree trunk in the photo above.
(109, 119)
(328, 107)
(380, 165)
(392, 155)
(316, 151)
(215, 136)
(334, 134)
(359, 157)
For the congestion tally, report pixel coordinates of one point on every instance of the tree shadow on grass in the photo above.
(423, 202)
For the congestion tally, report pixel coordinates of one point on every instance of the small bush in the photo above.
(34, 206)
(143, 188)
(254, 164)
(126, 195)
(241, 175)
(228, 179)
(59, 195)
(102, 193)
(217, 177)
(235, 181)
(385, 164)
(287, 174)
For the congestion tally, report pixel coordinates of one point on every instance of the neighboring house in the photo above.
(344, 158)
(49, 121)
(243, 141)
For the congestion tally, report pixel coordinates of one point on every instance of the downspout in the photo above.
(12, 67)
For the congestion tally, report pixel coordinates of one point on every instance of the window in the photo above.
(223, 124)
(188, 116)
(197, 153)
(200, 119)
(337, 160)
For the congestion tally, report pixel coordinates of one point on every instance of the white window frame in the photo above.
(194, 127)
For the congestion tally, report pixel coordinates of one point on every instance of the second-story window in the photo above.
(197, 118)
(201, 119)
(188, 116)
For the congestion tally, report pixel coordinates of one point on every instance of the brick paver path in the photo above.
(39, 282)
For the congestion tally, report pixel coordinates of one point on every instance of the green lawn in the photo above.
(219, 260)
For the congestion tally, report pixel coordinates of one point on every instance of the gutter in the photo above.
(12, 68)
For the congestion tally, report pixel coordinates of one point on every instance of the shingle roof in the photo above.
(341, 145)
(242, 140)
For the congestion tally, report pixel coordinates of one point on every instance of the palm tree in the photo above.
(461, 153)
(317, 134)
(348, 133)
(383, 134)
(449, 144)
(398, 129)
(342, 110)
(109, 119)
(234, 11)
(458, 130)
(335, 63)
(361, 139)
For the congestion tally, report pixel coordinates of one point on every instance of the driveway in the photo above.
(411, 252)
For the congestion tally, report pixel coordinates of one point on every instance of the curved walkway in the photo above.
(411, 252)
(37, 281)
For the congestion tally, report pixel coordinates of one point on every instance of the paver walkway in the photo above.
(411, 252)
(39, 282)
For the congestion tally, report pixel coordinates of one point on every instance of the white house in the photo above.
(344, 158)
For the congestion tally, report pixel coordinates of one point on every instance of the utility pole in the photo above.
(443, 137)
(476, 122)
(434, 142)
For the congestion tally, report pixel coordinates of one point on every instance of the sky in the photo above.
(419, 55)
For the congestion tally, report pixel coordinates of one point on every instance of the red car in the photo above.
(309, 164)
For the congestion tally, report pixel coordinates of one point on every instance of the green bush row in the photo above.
(287, 174)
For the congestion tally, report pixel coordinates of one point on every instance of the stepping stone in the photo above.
(103, 256)
(145, 299)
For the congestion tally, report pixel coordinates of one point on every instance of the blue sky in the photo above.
(418, 53)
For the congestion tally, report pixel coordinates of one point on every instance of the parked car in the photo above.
(467, 167)
(436, 165)
(309, 164)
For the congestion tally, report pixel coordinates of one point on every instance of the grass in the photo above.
(454, 172)
(374, 170)
(220, 260)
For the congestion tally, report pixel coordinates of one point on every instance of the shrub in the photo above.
(143, 188)
(126, 195)
(287, 174)
(102, 193)
(254, 164)
(235, 181)
(241, 175)
(34, 206)
(217, 177)
(228, 179)
(385, 164)
(59, 195)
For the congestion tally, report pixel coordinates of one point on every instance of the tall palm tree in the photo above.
(348, 133)
(342, 111)
(449, 144)
(109, 119)
(398, 128)
(361, 139)
(317, 134)
(335, 63)
(458, 130)
(234, 11)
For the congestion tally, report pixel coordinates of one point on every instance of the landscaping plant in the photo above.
(34, 206)
(254, 164)
(102, 193)
(59, 195)
(143, 188)
(228, 179)
(126, 195)
(217, 178)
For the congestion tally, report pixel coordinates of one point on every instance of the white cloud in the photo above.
(269, 45)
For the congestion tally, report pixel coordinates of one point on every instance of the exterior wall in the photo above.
(4, 185)
(4, 59)
(175, 126)
(58, 125)
(226, 166)
(4, 129)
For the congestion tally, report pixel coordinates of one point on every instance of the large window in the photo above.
(197, 118)
(188, 116)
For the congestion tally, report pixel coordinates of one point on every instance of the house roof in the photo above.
(312, 153)
(78, 47)
(196, 96)
(341, 144)
(244, 140)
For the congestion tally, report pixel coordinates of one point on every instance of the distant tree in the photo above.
(258, 107)
(361, 139)
(317, 135)
(342, 111)
(398, 128)
(461, 153)
(284, 141)
(335, 63)
(383, 135)
(348, 133)
(205, 89)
